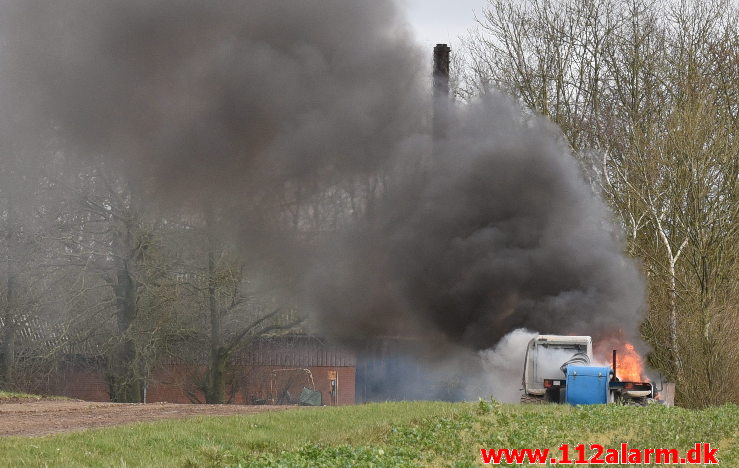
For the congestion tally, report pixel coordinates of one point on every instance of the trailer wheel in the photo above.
(562, 395)
(527, 399)
(636, 401)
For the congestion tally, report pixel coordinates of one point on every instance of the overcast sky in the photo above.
(441, 21)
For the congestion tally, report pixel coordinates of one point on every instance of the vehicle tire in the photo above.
(636, 401)
(527, 399)
(562, 395)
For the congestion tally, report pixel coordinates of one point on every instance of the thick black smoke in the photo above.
(215, 98)
(230, 101)
(501, 233)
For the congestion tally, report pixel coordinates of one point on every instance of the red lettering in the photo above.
(667, 456)
(709, 455)
(700, 453)
(565, 449)
(694, 454)
(539, 456)
(648, 455)
(490, 455)
(580, 449)
(635, 456)
(597, 459)
(510, 456)
(612, 456)
(516, 456)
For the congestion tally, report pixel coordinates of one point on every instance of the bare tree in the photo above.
(224, 302)
(103, 239)
(646, 94)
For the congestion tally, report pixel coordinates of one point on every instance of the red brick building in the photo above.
(272, 370)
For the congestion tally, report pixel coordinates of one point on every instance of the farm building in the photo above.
(271, 370)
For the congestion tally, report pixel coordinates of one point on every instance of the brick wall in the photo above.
(177, 383)
(83, 384)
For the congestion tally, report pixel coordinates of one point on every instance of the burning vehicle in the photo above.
(561, 369)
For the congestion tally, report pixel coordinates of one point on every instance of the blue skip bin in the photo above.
(587, 385)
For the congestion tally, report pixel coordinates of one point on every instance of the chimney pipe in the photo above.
(614, 366)
(441, 89)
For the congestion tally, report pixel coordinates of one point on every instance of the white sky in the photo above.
(441, 21)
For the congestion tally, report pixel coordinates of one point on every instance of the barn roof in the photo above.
(295, 351)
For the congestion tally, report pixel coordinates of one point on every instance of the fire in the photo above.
(630, 366)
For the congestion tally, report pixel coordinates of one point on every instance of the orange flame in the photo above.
(630, 366)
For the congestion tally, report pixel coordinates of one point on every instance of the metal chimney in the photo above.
(441, 89)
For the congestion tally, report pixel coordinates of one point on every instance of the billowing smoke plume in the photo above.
(234, 101)
(501, 233)
(502, 366)
(215, 99)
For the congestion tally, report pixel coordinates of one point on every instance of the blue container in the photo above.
(587, 385)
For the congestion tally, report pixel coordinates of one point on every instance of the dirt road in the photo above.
(48, 417)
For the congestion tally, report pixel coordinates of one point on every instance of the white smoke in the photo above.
(503, 365)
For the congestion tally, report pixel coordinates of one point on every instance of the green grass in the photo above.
(390, 434)
(27, 396)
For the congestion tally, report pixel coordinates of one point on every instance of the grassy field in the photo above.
(5, 396)
(379, 435)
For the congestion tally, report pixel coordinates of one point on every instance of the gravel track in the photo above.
(35, 418)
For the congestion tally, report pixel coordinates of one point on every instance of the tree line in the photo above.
(92, 272)
(646, 94)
